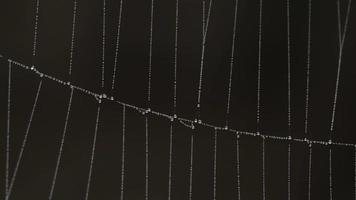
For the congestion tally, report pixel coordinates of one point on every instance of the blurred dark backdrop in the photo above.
(54, 36)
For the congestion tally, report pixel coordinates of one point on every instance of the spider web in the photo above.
(194, 125)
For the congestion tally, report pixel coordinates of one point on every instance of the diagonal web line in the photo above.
(116, 49)
(34, 49)
(341, 45)
(205, 22)
(205, 30)
(188, 122)
(73, 36)
(232, 59)
(201, 63)
(346, 21)
(24, 141)
(93, 152)
(60, 152)
(338, 21)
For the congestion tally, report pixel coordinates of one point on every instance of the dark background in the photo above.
(54, 35)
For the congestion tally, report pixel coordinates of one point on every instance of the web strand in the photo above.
(150, 55)
(330, 176)
(147, 157)
(170, 161)
(34, 48)
(355, 172)
(215, 149)
(188, 122)
(289, 172)
(203, 20)
(123, 153)
(175, 59)
(60, 152)
(308, 69)
(263, 170)
(232, 59)
(174, 99)
(24, 141)
(207, 19)
(8, 132)
(103, 46)
(203, 46)
(310, 171)
(93, 152)
(346, 21)
(289, 102)
(238, 167)
(341, 45)
(201, 63)
(289, 67)
(73, 37)
(116, 49)
(191, 166)
(259, 65)
(338, 20)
